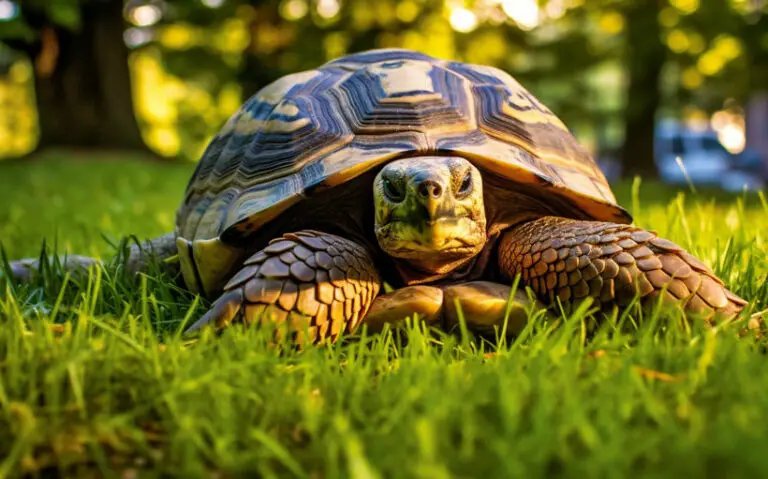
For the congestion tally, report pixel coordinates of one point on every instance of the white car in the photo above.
(699, 154)
(702, 155)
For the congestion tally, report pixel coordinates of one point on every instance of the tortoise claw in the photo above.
(224, 310)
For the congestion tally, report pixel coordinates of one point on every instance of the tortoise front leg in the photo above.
(612, 263)
(310, 281)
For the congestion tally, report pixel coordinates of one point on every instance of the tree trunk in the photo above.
(757, 127)
(757, 103)
(83, 84)
(645, 59)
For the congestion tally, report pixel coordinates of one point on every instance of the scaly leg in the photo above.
(612, 263)
(138, 259)
(308, 280)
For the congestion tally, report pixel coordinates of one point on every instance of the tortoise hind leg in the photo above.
(612, 263)
(309, 281)
(139, 256)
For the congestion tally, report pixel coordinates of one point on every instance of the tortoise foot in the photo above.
(485, 306)
(308, 283)
(392, 308)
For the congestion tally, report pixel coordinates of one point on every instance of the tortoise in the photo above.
(444, 179)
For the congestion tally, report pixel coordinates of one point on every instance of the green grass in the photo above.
(113, 388)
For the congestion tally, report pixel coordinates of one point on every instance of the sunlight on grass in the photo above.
(74, 203)
(95, 375)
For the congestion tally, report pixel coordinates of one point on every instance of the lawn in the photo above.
(95, 379)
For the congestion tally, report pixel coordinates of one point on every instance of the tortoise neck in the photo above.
(412, 273)
(508, 204)
(467, 269)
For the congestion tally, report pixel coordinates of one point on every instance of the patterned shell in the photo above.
(320, 128)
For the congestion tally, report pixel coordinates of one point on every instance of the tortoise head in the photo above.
(430, 212)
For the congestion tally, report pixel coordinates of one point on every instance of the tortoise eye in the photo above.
(392, 191)
(466, 185)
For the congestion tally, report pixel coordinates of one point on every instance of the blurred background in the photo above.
(674, 89)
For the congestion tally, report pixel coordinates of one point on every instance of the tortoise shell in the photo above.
(320, 128)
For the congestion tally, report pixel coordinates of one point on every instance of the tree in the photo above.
(645, 57)
(81, 73)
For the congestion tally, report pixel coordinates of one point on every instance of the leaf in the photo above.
(651, 374)
(17, 29)
(65, 13)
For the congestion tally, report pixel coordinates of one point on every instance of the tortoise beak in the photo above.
(431, 194)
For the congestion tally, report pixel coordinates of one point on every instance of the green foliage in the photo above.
(574, 56)
(64, 13)
(17, 29)
(96, 378)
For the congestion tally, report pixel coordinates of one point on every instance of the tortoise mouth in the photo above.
(439, 220)
(443, 237)
(422, 253)
(444, 219)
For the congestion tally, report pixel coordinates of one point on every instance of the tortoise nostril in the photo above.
(430, 189)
